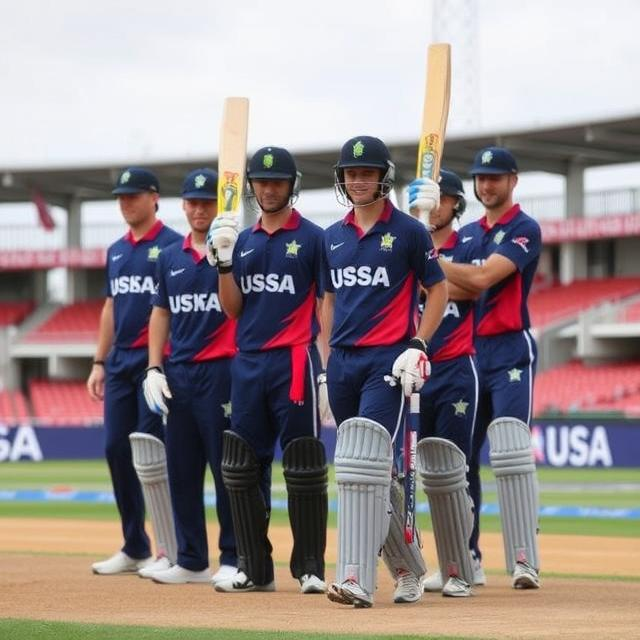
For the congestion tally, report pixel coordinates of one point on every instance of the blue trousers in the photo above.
(126, 411)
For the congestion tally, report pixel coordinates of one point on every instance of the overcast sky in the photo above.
(114, 80)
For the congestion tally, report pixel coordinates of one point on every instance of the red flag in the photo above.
(43, 210)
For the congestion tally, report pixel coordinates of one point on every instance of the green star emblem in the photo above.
(226, 408)
(200, 181)
(124, 178)
(487, 157)
(499, 237)
(515, 375)
(292, 249)
(358, 149)
(267, 160)
(386, 242)
(460, 407)
(154, 252)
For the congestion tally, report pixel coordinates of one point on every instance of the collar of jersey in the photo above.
(292, 223)
(451, 241)
(505, 218)
(385, 216)
(150, 235)
(195, 254)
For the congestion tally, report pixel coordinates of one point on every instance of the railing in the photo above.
(31, 236)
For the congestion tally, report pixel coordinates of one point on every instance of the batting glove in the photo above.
(412, 367)
(156, 391)
(423, 196)
(221, 239)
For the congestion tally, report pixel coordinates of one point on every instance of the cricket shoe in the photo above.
(456, 587)
(310, 583)
(408, 588)
(120, 562)
(434, 581)
(225, 572)
(180, 575)
(159, 564)
(241, 583)
(479, 577)
(525, 576)
(350, 592)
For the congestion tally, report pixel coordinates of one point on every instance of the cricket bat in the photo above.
(435, 111)
(232, 154)
(411, 431)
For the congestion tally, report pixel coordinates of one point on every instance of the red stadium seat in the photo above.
(64, 403)
(77, 322)
(13, 313)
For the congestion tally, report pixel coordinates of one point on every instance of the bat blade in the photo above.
(412, 428)
(232, 154)
(435, 111)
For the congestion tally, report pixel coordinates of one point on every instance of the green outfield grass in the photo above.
(28, 630)
(603, 488)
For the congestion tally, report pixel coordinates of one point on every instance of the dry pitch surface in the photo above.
(45, 575)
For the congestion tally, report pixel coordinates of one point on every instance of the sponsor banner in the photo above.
(557, 443)
(48, 259)
(576, 229)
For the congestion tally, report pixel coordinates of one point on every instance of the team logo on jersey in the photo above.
(466, 239)
(432, 254)
(386, 242)
(124, 178)
(460, 407)
(363, 276)
(226, 409)
(132, 284)
(515, 375)
(199, 181)
(522, 242)
(267, 160)
(358, 149)
(194, 302)
(154, 252)
(292, 249)
(486, 157)
(270, 282)
(499, 237)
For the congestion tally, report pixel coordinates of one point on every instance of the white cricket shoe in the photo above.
(433, 582)
(225, 572)
(310, 583)
(525, 576)
(408, 589)
(120, 562)
(180, 575)
(479, 577)
(159, 564)
(349, 592)
(241, 583)
(456, 587)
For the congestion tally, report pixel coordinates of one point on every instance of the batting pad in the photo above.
(363, 461)
(150, 463)
(512, 461)
(399, 556)
(443, 469)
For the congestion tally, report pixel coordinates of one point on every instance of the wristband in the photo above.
(418, 343)
(100, 363)
(224, 269)
(154, 368)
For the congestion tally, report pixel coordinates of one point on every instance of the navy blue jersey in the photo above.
(454, 336)
(516, 236)
(188, 287)
(279, 275)
(375, 277)
(131, 266)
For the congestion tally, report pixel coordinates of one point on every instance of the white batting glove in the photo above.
(221, 239)
(156, 391)
(423, 196)
(326, 416)
(412, 367)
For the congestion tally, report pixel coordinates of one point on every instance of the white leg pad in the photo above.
(399, 556)
(363, 461)
(150, 463)
(442, 467)
(512, 461)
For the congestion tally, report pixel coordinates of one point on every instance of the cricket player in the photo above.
(375, 258)
(271, 281)
(193, 389)
(504, 246)
(121, 358)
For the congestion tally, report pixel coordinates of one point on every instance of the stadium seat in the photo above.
(77, 322)
(64, 403)
(13, 408)
(13, 313)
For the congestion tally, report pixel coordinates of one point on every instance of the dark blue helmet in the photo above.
(200, 184)
(493, 160)
(274, 163)
(451, 185)
(136, 180)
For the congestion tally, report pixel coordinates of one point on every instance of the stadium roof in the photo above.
(552, 149)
